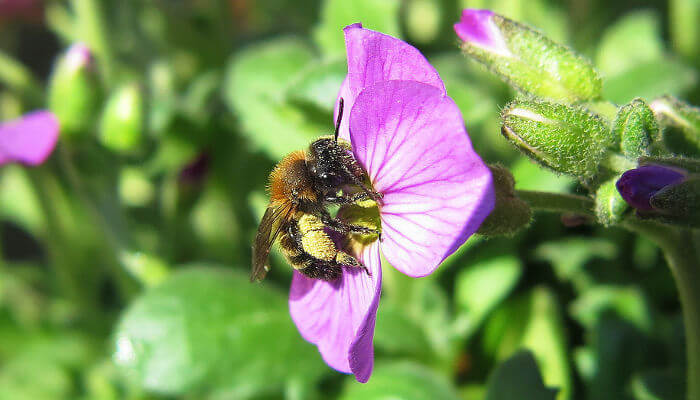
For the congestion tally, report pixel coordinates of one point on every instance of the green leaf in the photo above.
(211, 330)
(659, 385)
(627, 302)
(319, 84)
(529, 176)
(569, 256)
(378, 15)
(533, 322)
(482, 286)
(397, 333)
(650, 79)
(518, 378)
(634, 39)
(403, 380)
(256, 92)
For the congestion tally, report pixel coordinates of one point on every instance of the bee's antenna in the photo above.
(340, 118)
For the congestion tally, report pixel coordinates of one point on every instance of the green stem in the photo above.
(116, 237)
(557, 202)
(681, 248)
(93, 30)
(18, 78)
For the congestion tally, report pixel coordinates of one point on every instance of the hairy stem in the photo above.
(557, 202)
(681, 248)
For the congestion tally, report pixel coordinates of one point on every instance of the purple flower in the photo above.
(410, 138)
(29, 139)
(638, 185)
(478, 28)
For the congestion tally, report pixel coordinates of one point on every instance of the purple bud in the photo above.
(477, 27)
(638, 185)
(196, 170)
(78, 56)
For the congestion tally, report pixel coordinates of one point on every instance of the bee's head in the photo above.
(325, 163)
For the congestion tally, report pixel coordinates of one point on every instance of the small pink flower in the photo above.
(29, 139)
(410, 138)
(477, 27)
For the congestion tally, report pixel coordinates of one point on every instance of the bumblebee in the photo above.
(301, 186)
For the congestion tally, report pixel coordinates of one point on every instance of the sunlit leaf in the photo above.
(378, 15)
(480, 287)
(211, 330)
(405, 380)
(256, 90)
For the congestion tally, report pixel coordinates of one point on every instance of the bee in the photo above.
(301, 186)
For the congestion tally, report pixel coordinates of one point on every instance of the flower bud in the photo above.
(637, 186)
(680, 202)
(510, 214)
(567, 139)
(121, 127)
(636, 128)
(527, 59)
(610, 207)
(74, 91)
(682, 117)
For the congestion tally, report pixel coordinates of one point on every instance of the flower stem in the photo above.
(681, 248)
(557, 202)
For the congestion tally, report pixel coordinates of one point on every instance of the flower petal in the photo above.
(339, 317)
(375, 57)
(476, 27)
(29, 139)
(411, 140)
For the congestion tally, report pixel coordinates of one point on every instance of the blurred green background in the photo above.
(125, 257)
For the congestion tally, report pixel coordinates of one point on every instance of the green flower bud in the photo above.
(683, 121)
(121, 127)
(510, 214)
(679, 203)
(526, 59)
(636, 128)
(567, 139)
(610, 207)
(74, 92)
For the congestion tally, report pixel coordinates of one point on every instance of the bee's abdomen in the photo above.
(314, 240)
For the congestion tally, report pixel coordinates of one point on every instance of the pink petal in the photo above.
(376, 57)
(29, 139)
(339, 317)
(411, 140)
(476, 27)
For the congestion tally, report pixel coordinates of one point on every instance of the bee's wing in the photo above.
(270, 227)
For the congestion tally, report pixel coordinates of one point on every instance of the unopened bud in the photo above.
(610, 207)
(526, 59)
(74, 91)
(121, 127)
(510, 214)
(681, 119)
(636, 129)
(567, 139)
(637, 186)
(679, 202)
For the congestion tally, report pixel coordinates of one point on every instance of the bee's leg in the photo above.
(346, 259)
(343, 227)
(324, 270)
(356, 173)
(347, 199)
